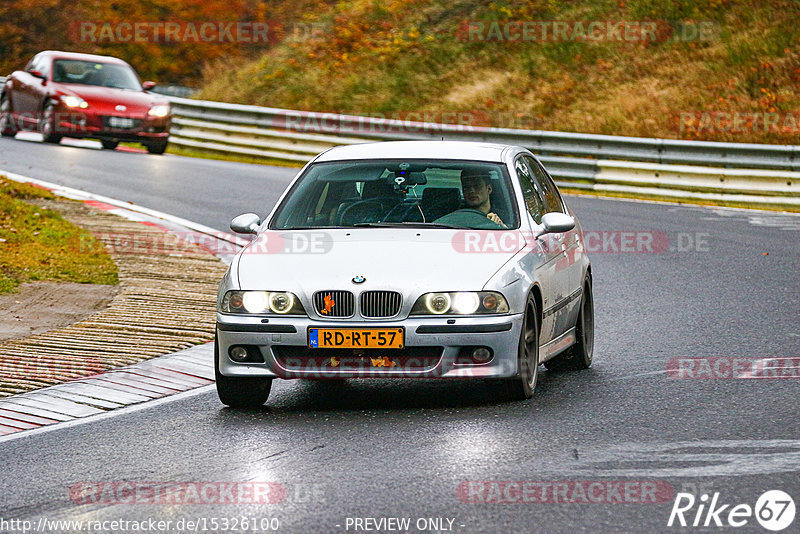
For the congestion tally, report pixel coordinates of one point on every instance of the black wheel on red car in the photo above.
(47, 124)
(240, 392)
(7, 126)
(157, 147)
(109, 145)
(523, 385)
(579, 355)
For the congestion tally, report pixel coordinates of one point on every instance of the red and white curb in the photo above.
(94, 395)
(139, 385)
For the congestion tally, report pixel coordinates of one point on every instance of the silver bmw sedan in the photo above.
(410, 259)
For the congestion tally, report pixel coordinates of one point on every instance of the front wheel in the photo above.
(523, 385)
(109, 145)
(7, 127)
(47, 124)
(157, 147)
(579, 355)
(240, 392)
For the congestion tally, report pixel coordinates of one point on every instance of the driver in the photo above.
(477, 188)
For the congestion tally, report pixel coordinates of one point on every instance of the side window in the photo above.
(532, 200)
(547, 189)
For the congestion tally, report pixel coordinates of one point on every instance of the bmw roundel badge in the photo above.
(359, 279)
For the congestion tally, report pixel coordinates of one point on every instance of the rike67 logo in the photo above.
(774, 510)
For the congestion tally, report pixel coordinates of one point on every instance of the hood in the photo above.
(104, 99)
(411, 261)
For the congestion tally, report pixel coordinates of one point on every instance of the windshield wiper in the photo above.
(409, 224)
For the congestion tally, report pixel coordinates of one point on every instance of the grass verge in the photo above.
(36, 243)
(192, 153)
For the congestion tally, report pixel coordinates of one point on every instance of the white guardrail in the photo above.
(757, 175)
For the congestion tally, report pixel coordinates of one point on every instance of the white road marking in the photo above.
(708, 458)
(112, 392)
(106, 415)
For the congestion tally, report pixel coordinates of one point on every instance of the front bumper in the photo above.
(433, 348)
(74, 123)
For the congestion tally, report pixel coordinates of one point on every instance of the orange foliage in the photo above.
(29, 26)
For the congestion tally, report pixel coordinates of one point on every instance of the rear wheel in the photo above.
(579, 355)
(157, 147)
(47, 124)
(109, 145)
(7, 126)
(523, 385)
(240, 392)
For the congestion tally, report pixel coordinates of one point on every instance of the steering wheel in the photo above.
(368, 210)
(469, 217)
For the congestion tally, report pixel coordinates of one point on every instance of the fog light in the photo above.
(481, 354)
(238, 354)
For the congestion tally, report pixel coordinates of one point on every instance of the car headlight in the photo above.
(161, 110)
(460, 303)
(74, 102)
(261, 302)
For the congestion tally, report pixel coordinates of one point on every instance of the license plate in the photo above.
(356, 338)
(120, 122)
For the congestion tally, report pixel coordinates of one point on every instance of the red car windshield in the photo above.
(94, 73)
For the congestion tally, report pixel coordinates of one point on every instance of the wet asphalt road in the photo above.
(379, 449)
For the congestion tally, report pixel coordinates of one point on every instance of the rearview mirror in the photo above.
(148, 85)
(556, 223)
(246, 223)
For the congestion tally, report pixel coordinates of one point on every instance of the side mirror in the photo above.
(246, 223)
(147, 86)
(556, 223)
(37, 74)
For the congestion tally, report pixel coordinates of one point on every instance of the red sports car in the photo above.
(62, 94)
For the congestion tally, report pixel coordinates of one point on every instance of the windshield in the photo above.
(400, 193)
(93, 73)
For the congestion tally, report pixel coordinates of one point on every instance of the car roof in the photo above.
(458, 150)
(56, 54)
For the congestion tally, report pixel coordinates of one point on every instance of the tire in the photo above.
(158, 147)
(523, 385)
(579, 355)
(109, 145)
(240, 392)
(47, 124)
(7, 126)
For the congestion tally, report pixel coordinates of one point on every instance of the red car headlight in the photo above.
(159, 111)
(74, 102)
